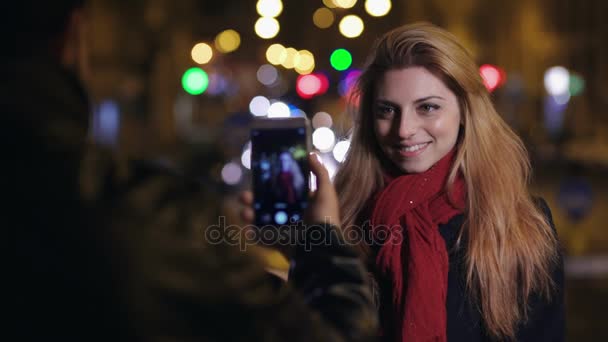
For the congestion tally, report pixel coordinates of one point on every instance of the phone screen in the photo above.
(280, 175)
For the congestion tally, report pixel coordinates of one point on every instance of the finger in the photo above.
(246, 198)
(248, 215)
(319, 171)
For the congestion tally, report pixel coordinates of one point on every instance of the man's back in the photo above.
(112, 251)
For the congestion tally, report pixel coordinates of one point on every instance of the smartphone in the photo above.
(280, 170)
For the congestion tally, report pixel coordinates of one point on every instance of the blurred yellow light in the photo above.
(201, 53)
(269, 8)
(378, 8)
(292, 58)
(227, 41)
(305, 71)
(306, 62)
(323, 18)
(275, 54)
(345, 3)
(266, 27)
(329, 3)
(351, 26)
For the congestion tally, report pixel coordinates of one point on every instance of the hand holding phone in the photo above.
(323, 202)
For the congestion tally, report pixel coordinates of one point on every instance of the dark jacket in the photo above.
(464, 321)
(102, 250)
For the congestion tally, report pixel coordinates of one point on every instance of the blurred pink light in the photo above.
(308, 86)
(492, 76)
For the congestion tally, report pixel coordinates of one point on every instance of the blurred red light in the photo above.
(493, 77)
(324, 83)
(308, 86)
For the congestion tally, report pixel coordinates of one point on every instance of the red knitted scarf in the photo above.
(406, 218)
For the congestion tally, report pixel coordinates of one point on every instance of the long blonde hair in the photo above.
(511, 248)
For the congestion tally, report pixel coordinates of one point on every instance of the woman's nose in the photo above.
(408, 125)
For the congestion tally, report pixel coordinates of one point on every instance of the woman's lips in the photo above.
(411, 150)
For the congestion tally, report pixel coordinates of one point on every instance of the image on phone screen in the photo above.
(280, 175)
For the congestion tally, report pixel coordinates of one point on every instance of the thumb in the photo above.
(324, 206)
(319, 171)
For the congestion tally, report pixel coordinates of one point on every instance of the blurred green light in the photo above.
(341, 59)
(577, 84)
(195, 81)
(300, 152)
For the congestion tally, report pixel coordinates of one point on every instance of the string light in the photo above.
(378, 8)
(227, 41)
(201, 53)
(266, 27)
(351, 26)
(323, 18)
(269, 8)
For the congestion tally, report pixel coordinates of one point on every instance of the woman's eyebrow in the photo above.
(386, 102)
(428, 98)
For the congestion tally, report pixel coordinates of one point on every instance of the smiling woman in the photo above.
(459, 248)
(416, 118)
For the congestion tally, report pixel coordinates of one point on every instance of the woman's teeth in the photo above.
(413, 148)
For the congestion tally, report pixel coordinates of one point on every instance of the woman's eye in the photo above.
(428, 107)
(385, 111)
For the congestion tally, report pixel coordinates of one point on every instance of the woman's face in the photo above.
(416, 118)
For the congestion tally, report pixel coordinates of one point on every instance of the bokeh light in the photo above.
(329, 3)
(323, 139)
(232, 173)
(345, 3)
(493, 76)
(378, 8)
(266, 27)
(275, 54)
(577, 84)
(308, 86)
(269, 8)
(341, 59)
(291, 58)
(106, 123)
(351, 26)
(340, 150)
(305, 62)
(195, 81)
(323, 18)
(201, 53)
(324, 83)
(297, 112)
(227, 41)
(267, 74)
(322, 119)
(259, 106)
(557, 80)
(278, 110)
(246, 156)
